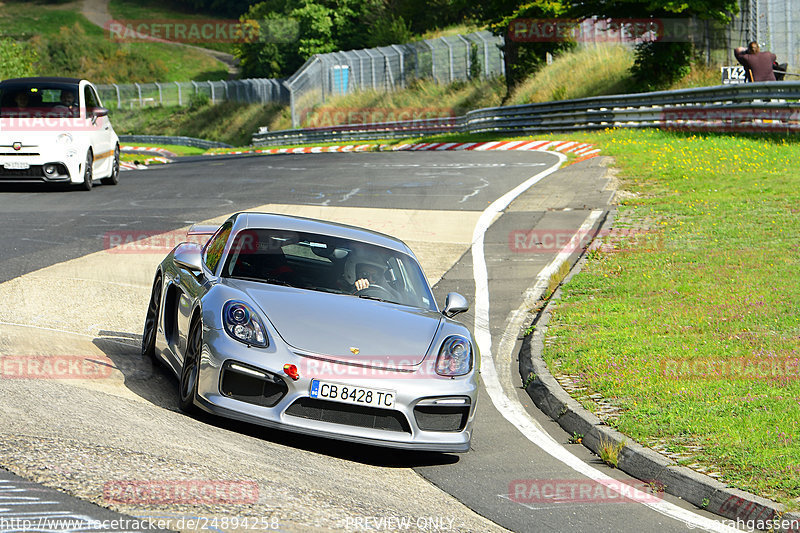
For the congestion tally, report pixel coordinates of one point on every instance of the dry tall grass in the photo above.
(586, 71)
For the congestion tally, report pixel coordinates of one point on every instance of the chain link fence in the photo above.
(387, 68)
(136, 95)
(775, 24)
(445, 60)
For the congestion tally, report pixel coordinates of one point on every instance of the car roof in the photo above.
(42, 79)
(250, 220)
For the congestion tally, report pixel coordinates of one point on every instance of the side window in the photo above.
(91, 100)
(214, 248)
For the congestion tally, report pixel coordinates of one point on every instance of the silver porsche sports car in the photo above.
(314, 327)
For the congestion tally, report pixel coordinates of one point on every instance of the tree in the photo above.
(319, 26)
(523, 58)
(658, 64)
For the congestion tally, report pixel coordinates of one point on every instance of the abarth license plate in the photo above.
(16, 166)
(342, 392)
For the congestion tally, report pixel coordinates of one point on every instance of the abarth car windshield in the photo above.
(39, 100)
(327, 264)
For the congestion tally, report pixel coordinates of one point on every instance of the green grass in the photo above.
(714, 279)
(176, 149)
(227, 122)
(163, 10)
(586, 71)
(422, 99)
(67, 44)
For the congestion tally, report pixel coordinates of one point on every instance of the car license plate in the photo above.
(341, 392)
(16, 166)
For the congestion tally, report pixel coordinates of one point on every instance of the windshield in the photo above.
(328, 264)
(39, 100)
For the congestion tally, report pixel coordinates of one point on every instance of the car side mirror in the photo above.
(189, 256)
(99, 112)
(454, 304)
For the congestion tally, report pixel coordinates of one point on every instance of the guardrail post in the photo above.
(119, 100)
(160, 96)
(180, 101)
(139, 89)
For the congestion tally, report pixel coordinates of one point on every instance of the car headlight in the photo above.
(64, 138)
(243, 324)
(455, 357)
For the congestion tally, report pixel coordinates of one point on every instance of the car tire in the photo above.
(87, 172)
(113, 179)
(151, 320)
(190, 372)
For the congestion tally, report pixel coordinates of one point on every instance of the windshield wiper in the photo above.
(272, 281)
(367, 297)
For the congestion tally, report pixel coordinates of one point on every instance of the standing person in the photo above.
(756, 63)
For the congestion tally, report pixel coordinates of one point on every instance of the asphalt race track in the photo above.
(70, 294)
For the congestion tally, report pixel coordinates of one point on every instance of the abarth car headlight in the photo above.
(64, 138)
(455, 357)
(243, 324)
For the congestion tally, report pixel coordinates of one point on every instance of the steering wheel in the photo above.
(378, 291)
(62, 110)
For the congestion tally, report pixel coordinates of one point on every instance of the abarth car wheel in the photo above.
(87, 173)
(113, 179)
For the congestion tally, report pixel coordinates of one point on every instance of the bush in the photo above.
(16, 60)
(198, 100)
(659, 65)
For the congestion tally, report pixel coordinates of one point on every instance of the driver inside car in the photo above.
(367, 273)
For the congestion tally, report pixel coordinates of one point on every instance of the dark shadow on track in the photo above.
(155, 383)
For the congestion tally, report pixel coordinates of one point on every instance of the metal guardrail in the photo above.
(176, 140)
(767, 106)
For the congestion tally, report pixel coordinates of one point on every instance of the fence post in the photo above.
(119, 100)
(402, 65)
(485, 55)
(468, 51)
(291, 104)
(450, 55)
(196, 88)
(360, 72)
(139, 89)
(211, 86)
(433, 60)
(180, 101)
(160, 96)
(388, 80)
(371, 66)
